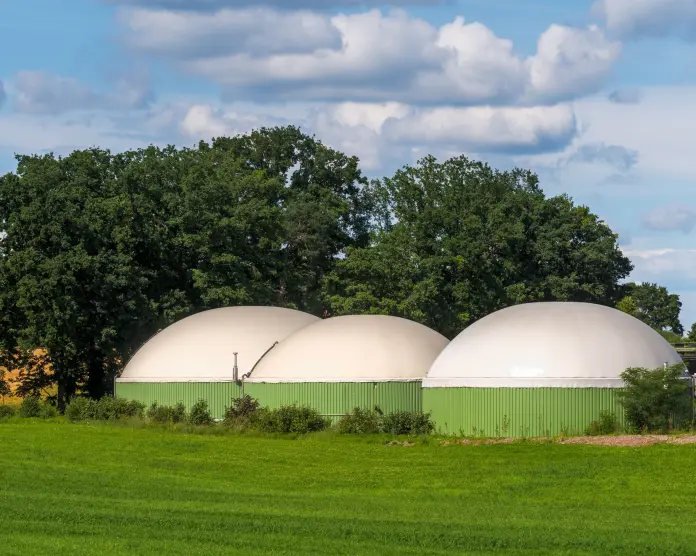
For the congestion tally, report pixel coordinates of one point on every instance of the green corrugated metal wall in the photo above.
(518, 412)
(337, 398)
(217, 394)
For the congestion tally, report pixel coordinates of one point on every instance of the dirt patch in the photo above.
(397, 443)
(623, 440)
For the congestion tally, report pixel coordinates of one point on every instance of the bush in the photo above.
(656, 399)
(360, 421)
(243, 412)
(291, 418)
(407, 422)
(108, 409)
(48, 411)
(167, 414)
(81, 409)
(31, 407)
(200, 414)
(607, 424)
(7, 411)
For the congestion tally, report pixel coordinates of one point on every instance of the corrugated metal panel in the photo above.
(337, 398)
(217, 394)
(519, 412)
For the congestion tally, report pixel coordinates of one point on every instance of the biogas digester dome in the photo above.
(344, 362)
(194, 357)
(539, 368)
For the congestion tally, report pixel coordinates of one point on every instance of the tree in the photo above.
(654, 398)
(458, 240)
(691, 336)
(652, 304)
(324, 208)
(70, 255)
(4, 385)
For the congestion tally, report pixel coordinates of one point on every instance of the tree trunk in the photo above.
(61, 396)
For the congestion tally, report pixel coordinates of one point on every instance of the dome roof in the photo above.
(355, 348)
(557, 344)
(200, 347)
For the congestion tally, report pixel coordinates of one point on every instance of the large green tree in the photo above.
(458, 240)
(654, 305)
(99, 251)
(324, 207)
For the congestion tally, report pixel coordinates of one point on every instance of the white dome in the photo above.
(200, 347)
(355, 348)
(557, 344)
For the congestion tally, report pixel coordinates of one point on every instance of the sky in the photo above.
(597, 97)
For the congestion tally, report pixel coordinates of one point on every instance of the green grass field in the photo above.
(117, 490)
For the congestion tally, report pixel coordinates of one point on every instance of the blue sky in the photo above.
(597, 97)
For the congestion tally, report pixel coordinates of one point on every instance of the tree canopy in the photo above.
(99, 250)
(654, 305)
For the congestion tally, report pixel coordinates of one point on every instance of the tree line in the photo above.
(99, 251)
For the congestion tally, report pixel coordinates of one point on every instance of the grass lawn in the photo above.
(99, 489)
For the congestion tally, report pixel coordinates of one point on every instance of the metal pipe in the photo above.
(235, 369)
(247, 375)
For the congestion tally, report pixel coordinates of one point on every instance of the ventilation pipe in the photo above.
(235, 369)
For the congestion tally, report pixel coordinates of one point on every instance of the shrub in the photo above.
(81, 409)
(291, 418)
(31, 407)
(167, 414)
(607, 424)
(243, 412)
(656, 399)
(200, 414)
(108, 409)
(407, 422)
(48, 411)
(360, 421)
(6, 411)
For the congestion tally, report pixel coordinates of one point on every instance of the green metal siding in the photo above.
(518, 412)
(217, 394)
(338, 398)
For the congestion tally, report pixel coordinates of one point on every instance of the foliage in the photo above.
(457, 240)
(243, 412)
(167, 414)
(691, 336)
(407, 422)
(106, 408)
(606, 424)
(656, 399)
(365, 421)
(200, 414)
(292, 419)
(360, 421)
(4, 386)
(80, 409)
(7, 411)
(30, 407)
(654, 305)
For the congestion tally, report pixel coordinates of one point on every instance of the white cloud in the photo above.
(486, 129)
(571, 62)
(649, 18)
(37, 92)
(615, 156)
(263, 53)
(260, 30)
(678, 266)
(671, 218)
(369, 130)
(625, 96)
(214, 5)
(658, 128)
